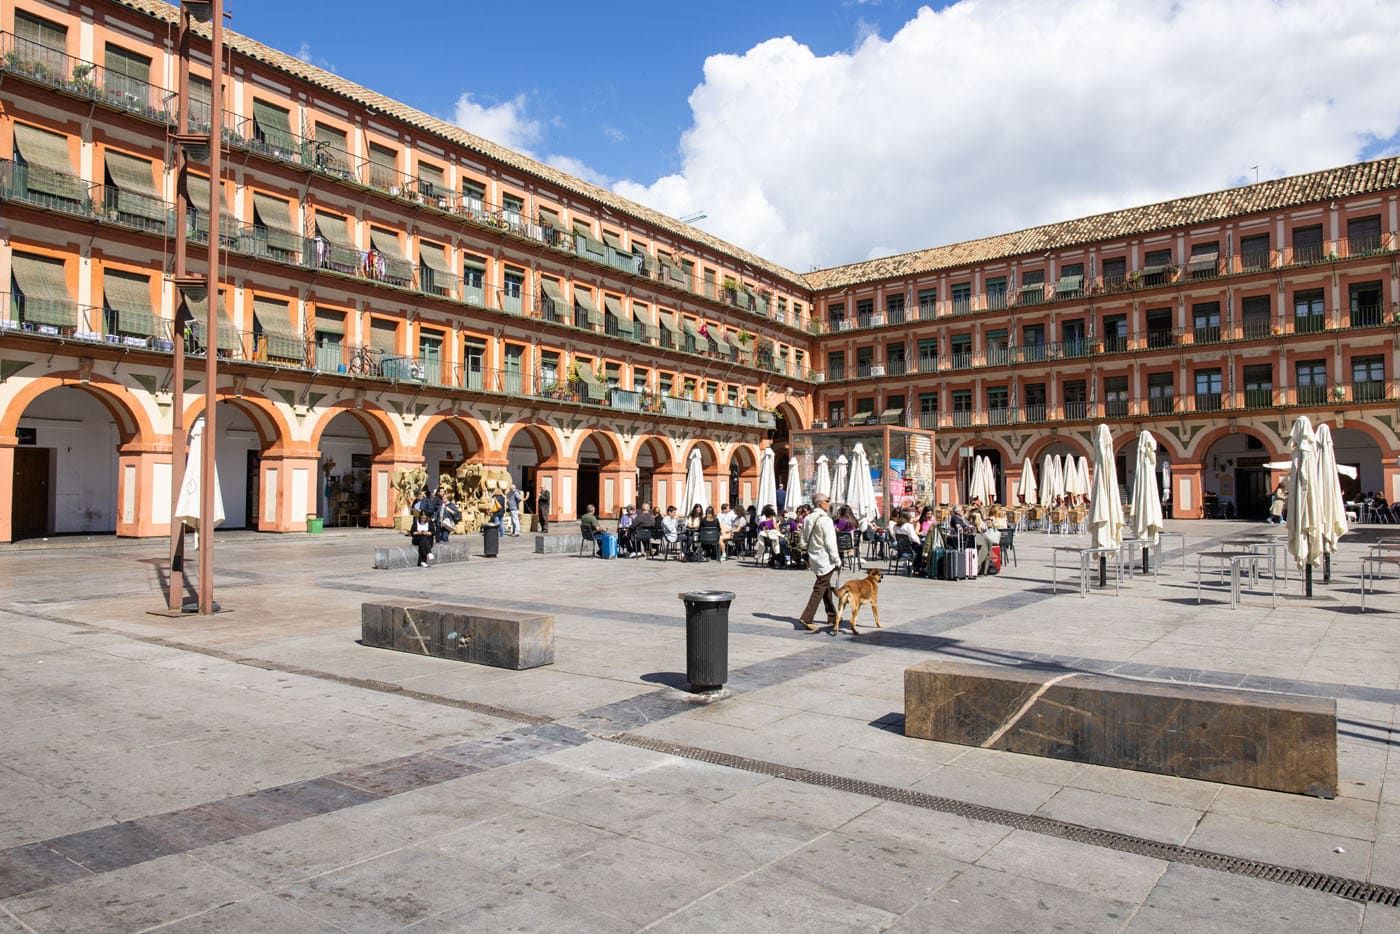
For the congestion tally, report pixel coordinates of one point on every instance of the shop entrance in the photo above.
(66, 482)
(32, 494)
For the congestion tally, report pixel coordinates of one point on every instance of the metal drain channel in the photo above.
(1353, 889)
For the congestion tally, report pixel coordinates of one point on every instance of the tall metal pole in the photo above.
(175, 598)
(211, 365)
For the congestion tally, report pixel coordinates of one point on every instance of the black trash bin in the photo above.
(707, 638)
(490, 540)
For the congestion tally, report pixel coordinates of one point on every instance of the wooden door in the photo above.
(29, 507)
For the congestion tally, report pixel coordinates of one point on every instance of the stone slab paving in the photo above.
(259, 770)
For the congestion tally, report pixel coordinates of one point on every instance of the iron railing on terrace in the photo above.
(89, 80)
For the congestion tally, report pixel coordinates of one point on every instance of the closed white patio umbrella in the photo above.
(1025, 487)
(1332, 516)
(860, 495)
(838, 482)
(767, 483)
(694, 483)
(1304, 502)
(1105, 508)
(823, 484)
(187, 506)
(974, 479)
(1048, 466)
(1146, 523)
(989, 481)
(796, 496)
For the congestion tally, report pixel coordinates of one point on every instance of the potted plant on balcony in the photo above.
(82, 78)
(745, 338)
(1395, 316)
(731, 289)
(1339, 393)
(688, 388)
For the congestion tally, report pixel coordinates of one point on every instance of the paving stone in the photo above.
(880, 870)
(985, 900)
(770, 901)
(1188, 898)
(1093, 870)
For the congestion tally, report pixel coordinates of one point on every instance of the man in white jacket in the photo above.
(823, 557)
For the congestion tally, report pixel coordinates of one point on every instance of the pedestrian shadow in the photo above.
(796, 623)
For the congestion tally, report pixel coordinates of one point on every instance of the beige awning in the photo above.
(553, 293)
(718, 340)
(276, 215)
(136, 189)
(584, 299)
(434, 258)
(550, 218)
(431, 175)
(387, 243)
(335, 229)
(45, 289)
(591, 244)
(275, 317)
(50, 169)
(275, 124)
(613, 240)
(130, 297)
(615, 308)
(690, 328)
(330, 322)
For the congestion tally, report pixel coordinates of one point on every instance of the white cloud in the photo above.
(990, 116)
(614, 135)
(505, 123)
(578, 169)
(305, 54)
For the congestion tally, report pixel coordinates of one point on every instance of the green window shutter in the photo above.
(197, 191)
(44, 285)
(431, 175)
(275, 124)
(553, 293)
(130, 297)
(49, 169)
(387, 243)
(434, 257)
(335, 230)
(281, 338)
(383, 166)
(136, 190)
(384, 336)
(612, 240)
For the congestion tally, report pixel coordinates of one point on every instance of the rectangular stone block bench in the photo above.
(482, 636)
(562, 543)
(1281, 742)
(391, 559)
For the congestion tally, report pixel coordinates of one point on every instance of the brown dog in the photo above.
(857, 593)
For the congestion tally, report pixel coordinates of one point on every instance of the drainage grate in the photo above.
(1353, 889)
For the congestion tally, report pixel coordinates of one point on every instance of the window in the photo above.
(1072, 339)
(996, 293)
(473, 197)
(1257, 316)
(1034, 408)
(865, 310)
(1259, 385)
(1363, 235)
(836, 365)
(1205, 260)
(1368, 378)
(1311, 380)
(1208, 386)
(474, 279)
(928, 355)
(1115, 396)
(332, 151)
(894, 309)
(836, 315)
(1115, 333)
(1254, 252)
(962, 408)
(126, 303)
(1159, 393)
(1071, 282)
(894, 360)
(1033, 343)
(549, 370)
(1115, 272)
(998, 405)
(430, 356)
(1308, 311)
(865, 356)
(1307, 244)
(272, 131)
(962, 298)
(1076, 398)
(961, 350)
(836, 412)
(128, 77)
(37, 35)
(48, 176)
(928, 410)
(330, 338)
(1205, 322)
(510, 293)
(997, 344)
(1365, 304)
(1032, 287)
(928, 304)
(430, 183)
(515, 368)
(1159, 327)
(383, 168)
(1156, 267)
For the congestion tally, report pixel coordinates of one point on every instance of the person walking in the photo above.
(823, 557)
(542, 509)
(513, 505)
(1278, 500)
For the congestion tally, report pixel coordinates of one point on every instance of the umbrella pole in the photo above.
(1103, 570)
(1307, 581)
(1144, 559)
(1327, 567)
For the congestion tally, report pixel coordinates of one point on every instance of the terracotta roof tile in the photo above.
(441, 128)
(1361, 178)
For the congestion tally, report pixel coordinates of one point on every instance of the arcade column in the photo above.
(144, 483)
(1188, 487)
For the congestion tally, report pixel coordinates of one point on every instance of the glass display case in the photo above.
(901, 461)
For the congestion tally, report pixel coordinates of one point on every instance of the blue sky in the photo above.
(608, 82)
(828, 131)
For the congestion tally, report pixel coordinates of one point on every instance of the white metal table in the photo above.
(1086, 556)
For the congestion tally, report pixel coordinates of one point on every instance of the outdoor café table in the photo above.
(1086, 556)
(1132, 546)
(1277, 545)
(1161, 545)
(1234, 559)
(1384, 546)
(1371, 568)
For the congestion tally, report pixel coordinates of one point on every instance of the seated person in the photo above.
(644, 523)
(711, 521)
(588, 524)
(845, 520)
(624, 530)
(730, 524)
(692, 521)
(671, 526)
(769, 536)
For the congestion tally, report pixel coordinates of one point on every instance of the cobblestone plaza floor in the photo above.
(261, 771)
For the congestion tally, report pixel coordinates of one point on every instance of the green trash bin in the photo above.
(315, 524)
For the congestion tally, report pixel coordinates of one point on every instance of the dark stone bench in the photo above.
(391, 559)
(558, 543)
(1281, 742)
(482, 636)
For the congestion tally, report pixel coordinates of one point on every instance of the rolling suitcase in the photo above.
(933, 567)
(970, 563)
(994, 560)
(951, 565)
(607, 545)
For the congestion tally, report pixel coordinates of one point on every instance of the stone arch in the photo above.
(709, 454)
(272, 428)
(1234, 483)
(133, 423)
(467, 432)
(792, 415)
(656, 465)
(373, 419)
(1168, 445)
(606, 443)
(545, 439)
(1036, 451)
(1201, 445)
(743, 474)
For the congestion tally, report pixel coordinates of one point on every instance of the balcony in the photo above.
(45, 188)
(1073, 411)
(962, 306)
(1206, 334)
(1256, 328)
(88, 80)
(1255, 261)
(1158, 338)
(1208, 402)
(1031, 353)
(1363, 246)
(1310, 395)
(1161, 405)
(1001, 415)
(1365, 316)
(960, 360)
(1370, 391)
(1309, 324)
(133, 209)
(896, 366)
(1259, 398)
(928, 311)
(961, 419)
(1034, 413)
(928, 420)
(926, 365)
(1115, 408)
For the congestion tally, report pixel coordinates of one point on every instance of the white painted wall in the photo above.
(236, 438)
(84, 440)
(1357, 448)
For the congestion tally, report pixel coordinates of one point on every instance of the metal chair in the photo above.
(666, 547)
(1008, 547)
(709, 538)
(846, 548)
(903, 554)
(641, 541)
(586, 537)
